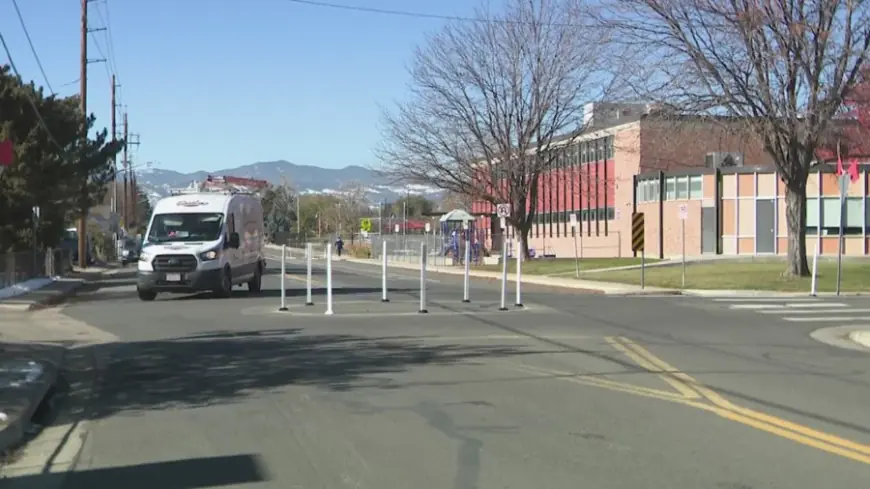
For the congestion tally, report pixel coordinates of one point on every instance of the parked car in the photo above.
(130, 252)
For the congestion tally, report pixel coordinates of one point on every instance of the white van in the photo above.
(203, 241)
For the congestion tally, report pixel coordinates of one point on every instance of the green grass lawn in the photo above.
(564, 267)
(746, 275)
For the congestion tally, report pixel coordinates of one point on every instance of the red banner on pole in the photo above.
(853, 170)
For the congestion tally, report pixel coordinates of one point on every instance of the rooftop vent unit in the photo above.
(723, 160)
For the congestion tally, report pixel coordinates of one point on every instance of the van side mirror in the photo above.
(234, 241)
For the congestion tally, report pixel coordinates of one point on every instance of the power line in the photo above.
(109, 41)
(110, 47)
(27, 94)
(417, 15)
(32, 48)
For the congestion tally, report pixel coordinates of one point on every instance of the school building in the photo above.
(629, 160)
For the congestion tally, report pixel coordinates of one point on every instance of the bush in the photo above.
(359, 251)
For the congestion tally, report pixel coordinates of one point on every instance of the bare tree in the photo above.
(781, 67)
(489, 100)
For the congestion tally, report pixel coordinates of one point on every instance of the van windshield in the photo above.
(185, 227)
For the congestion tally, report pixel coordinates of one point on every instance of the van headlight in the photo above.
(210, 255)
(144, 257)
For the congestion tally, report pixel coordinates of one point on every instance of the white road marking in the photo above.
(819, 311)
(765, 299)
(829, 319)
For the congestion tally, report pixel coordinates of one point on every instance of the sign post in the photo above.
(573, 219)
(637, 242)
(504, 266)
(844, 189)
(467, 278)
(845, 178)
(684, 215)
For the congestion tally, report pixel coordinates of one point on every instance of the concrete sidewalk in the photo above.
(609, 288)
(566, 283)
(56, 291)
(34, 345)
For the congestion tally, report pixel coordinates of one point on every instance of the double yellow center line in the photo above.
(690, 392)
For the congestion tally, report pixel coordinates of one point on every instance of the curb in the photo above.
(20, 407)
(68, 289)
(862, 338)
(604, 289)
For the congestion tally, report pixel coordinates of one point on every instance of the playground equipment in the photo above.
(460, 230)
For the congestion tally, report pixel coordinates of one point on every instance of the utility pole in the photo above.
(114, 159)
(83, 218)
(129, 183)
(114, 164)
(125, 161)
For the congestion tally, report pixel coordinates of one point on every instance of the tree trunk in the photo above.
(523, 237)
(796, 220)
(83, 239)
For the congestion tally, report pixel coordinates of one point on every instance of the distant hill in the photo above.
(306, 178)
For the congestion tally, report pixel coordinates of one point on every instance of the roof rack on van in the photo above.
(224, 191)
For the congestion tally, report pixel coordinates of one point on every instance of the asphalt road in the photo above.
(571, 391)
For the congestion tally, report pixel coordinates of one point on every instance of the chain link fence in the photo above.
(442, 250)
(21, 266)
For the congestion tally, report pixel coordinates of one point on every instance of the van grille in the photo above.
(175, 263)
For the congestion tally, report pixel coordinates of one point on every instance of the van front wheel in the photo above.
(226, 286)
(147, 295)
(256, 283)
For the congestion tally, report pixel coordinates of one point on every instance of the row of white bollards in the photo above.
(424, 258)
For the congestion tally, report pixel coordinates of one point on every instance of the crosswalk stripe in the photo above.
(758, 306)
(765, 299)
(829, 319)
(818, 311)
(790, 305)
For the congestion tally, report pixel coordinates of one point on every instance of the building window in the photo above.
(670, 188)
(696, 187)
(682, 188)
(647, 191)
(812, 216)
(610, 149)
(854, 218)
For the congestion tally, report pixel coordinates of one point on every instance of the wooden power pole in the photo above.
(83, 218)
(114, 159)
(125, 213)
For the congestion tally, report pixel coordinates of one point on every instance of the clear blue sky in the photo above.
(212, 84)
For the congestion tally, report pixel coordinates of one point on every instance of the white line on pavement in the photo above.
(765, 299)
(818, 311)
(757, 306)
(831, 319)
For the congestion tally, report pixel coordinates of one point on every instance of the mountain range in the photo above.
(306, 179)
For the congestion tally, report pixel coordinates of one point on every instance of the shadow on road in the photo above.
(178, 474)
(225, 366)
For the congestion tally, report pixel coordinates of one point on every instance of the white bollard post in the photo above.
(519, 301)
(328, 280)
(384, 271)
(283, 278)
(815, 264)
(309, 256)
(504, 262)
(467, 283)
(423, 259)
